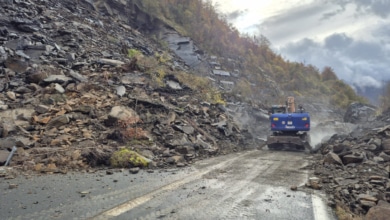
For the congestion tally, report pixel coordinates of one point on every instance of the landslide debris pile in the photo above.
(354, 168)
(70, 95)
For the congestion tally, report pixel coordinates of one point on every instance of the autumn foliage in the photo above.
(129, 130)
(259, 64)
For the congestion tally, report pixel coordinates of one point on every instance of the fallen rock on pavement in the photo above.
(355, 170)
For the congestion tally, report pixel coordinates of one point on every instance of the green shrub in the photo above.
(162, 57)
(133, 53)
(215, 97)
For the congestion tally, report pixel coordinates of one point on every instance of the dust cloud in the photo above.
(319, 136)
(322, 132)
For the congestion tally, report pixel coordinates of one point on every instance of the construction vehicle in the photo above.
(289, 128)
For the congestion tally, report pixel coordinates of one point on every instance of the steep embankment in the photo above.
(77, 85)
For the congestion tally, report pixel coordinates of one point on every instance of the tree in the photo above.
(328, 74)
(262, 41)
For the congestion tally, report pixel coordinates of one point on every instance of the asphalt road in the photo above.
(247, 185)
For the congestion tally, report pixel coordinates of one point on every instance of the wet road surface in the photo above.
(247, 185)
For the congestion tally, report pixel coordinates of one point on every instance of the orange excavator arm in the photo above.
(290, 104)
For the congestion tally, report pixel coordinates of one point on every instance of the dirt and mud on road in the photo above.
(256, 184)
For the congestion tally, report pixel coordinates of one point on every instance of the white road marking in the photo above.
(116, 211)
(319, 208)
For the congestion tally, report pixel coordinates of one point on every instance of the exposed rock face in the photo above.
(183, 47)
(360, 113)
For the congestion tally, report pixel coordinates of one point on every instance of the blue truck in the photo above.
(289, 127)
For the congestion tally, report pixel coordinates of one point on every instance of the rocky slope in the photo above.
(71, 96)
(354, 168)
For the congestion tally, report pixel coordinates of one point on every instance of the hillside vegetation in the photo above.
(258, 62)
(385, 99)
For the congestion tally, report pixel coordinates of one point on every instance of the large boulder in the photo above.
(353, 158)
(359, 113)
(379, 212)
(122, 113)
(332, 158)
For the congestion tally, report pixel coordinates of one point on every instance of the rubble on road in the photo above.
(354, 168)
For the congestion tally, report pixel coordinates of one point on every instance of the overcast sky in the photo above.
(351, 36)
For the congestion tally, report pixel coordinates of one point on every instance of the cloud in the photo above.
(379, 8)
(357, 62)
(234, 15)
(301, 47)
(367, 81)
(334, 12)
(368, 51)
(301, 13)
(382, 32)
(337, 41)
(316, 19)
